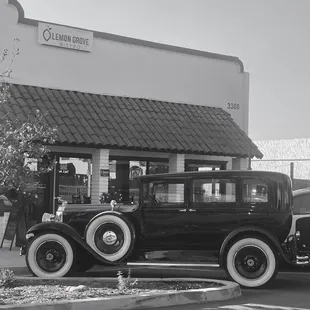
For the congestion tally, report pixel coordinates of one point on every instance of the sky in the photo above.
(271, 37)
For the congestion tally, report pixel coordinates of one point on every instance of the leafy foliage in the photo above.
(7, 278)
(125, 283)
(23, 144)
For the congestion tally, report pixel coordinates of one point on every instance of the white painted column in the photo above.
(176, 191)
(240, 163)
(100, 160)
(229, 165)
(89, 177)
(5, 219)
(176, 163)
(1, 227)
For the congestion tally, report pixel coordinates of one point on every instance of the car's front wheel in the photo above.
(50, 255)
(251, 262)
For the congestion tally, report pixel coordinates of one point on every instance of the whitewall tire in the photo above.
(50, 256)
(111, 236)
(251, 262)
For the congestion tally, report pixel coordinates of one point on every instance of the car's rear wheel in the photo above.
(50, 255)
(111, 236)
(251, 262)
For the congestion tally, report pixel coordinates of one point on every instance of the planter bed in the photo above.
(41, 290)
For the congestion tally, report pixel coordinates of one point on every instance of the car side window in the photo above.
(255, 191)
(214, 191)
(164, 192)
(302, 204)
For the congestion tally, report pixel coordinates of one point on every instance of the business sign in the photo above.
(64, 168)
(104, 172)
(65, 37)
(135, 171)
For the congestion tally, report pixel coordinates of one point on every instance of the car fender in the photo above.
(296, 217)
(250, 230)
(110, 213)
(68, 231)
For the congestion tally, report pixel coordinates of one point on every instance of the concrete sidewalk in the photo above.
(12, 260)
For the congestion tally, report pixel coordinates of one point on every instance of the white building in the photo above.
(192, 113)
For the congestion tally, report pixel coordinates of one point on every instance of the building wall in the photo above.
(279, 154)
(119, 68)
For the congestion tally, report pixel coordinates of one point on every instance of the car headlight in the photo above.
(59, 216)
(53, 218)
(47, 217)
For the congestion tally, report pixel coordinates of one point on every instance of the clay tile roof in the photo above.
(94, 120)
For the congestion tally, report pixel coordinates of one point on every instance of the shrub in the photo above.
(7, 278)
(125, 284)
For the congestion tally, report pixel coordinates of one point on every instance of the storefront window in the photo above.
(158, 167)
(122, 184)
(74, 179)
(198, 166)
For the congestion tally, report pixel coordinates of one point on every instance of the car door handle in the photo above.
(182, 210)
(192, 210)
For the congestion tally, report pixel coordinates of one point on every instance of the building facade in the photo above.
(123, 107)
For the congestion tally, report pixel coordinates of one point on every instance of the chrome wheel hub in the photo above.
(49, 257)
(109, 238)
(250, 262)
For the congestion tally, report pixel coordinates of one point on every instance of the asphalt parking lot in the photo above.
(289, 291)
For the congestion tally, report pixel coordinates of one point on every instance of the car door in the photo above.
(213, 211)
(164, 214)
(258, 205)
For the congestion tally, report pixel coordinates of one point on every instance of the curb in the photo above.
(230, 290)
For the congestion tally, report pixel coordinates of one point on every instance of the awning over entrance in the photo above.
(101, 121)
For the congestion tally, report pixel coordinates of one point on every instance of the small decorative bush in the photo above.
(125, 283)
(7, 278)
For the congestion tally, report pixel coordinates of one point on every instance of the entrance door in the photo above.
(165, 222)
(213, 211)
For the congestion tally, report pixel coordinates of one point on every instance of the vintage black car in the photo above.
(180, 219)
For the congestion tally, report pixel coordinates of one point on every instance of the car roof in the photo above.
(217, 173)
(301, 191)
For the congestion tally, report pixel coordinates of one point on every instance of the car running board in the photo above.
(166, 264)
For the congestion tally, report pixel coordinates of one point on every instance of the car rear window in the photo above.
(255, 191)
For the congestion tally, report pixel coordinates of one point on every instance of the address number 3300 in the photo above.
(233, 106)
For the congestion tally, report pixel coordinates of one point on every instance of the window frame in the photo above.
(214, 204)
(161, 205)
(272, 193)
